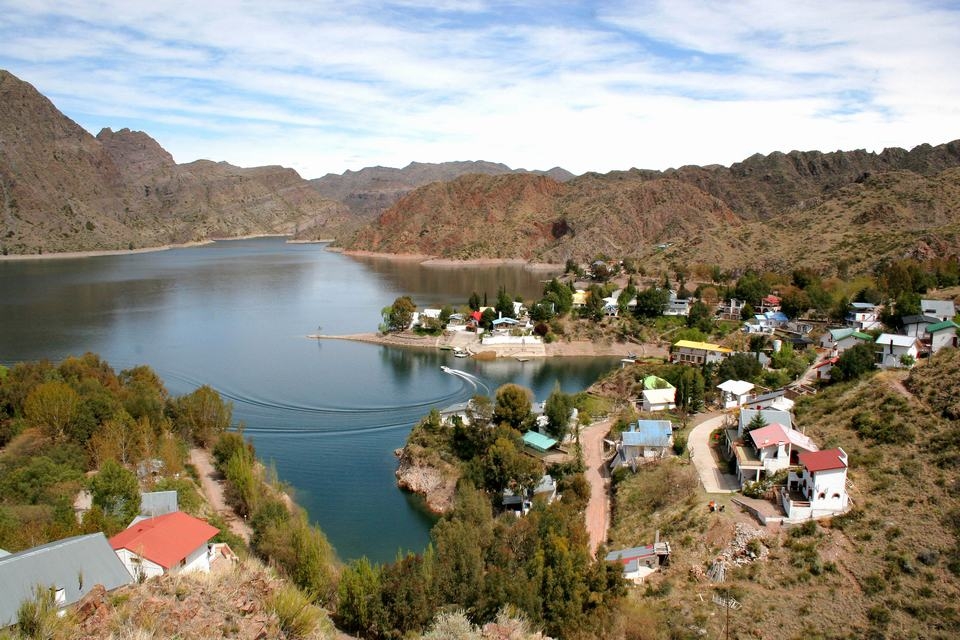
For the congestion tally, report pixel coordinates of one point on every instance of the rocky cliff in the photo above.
(61, 189)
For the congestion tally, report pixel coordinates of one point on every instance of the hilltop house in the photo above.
(731, 310)
(839, 340)
(863, 316)
(768, 450)
(646, 440)
(940, 309)
(892, 349)
(697, 353)
(823, 367)
(70, 568)
(171, 543)
(820, 488)
(676, 306)
(776, 399)
(735, 393)
(916, 326)
(940, 335)
(657, 394)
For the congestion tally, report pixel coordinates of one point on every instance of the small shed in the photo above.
(538, 441)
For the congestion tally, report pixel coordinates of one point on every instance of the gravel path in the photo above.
(598, 509)
(712, 477)
(212, 486)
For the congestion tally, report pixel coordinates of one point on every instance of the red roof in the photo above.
(476, 315)
(833, 360)
(823, 460)
(772, 299)
(166, 539)
(769, 435)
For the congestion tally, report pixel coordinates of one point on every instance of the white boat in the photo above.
(461, 353)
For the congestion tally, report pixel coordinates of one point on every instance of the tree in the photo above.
(700, 316)
(116, 492)
(399, 315)
(756, 422)
(513, 404)
(557, 409)
(504, 304)
(747, 312)
(358, 598)
(593, 309)
(202, 416)
(486, 320)
(739, 366)
(651, 302)
(854, 362)
(474, 301)
(52, 407)
(751, 288)
(560, 295)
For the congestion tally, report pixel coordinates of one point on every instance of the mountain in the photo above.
(64, 190)
(798, 209)
(368, 192)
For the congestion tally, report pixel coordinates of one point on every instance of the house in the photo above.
(940, 335)
(69, 567)
(171, 543)
(519, 311)
(839, 340)
(863, 316)
(611, 307)
(735, 393)
(698, 353)
(640, 562)
(506, 324)
(776, 399)
(676, 306)
(731, 310)
(769, 416)
(580, 297)
(823, 367)
(916, 326)
(939, 309)
(770, 303)
(156, 503)
(546, 490)
(820, 488)
(646, 440)
(769, 449)
(430, 318)
(893, 349)
(658, 394)
(538, 441)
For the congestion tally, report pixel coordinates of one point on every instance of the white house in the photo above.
(942, 334)
(822, 368)
(939, 309)
(647, 440)
(916, 326)
(863, 316)
(171, 543)
(776, 399)
(839, 340)
(768, 450)
(640, 562)
(891, 348)
(676, 306)
(658, 394)
(730, 310)
(735, 393)
(820, 488)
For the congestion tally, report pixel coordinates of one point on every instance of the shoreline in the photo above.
(557, 349)
(438, 262)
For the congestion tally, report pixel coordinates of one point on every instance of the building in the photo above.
(940, 309)
(735, 393)
(769, 449)
(864, 316)
(538, 441)
(676, 306)
(640, 562)
(916, 326)
(697, 353)
(776, 399)
(171, 543)
(69, 567)
(158, 503)
(940, 335)
(769, 416)
(819, 489)
(731, 310)
(647, 440)
(894, 351)
(657, 394)
(823, 367)
(839, 340)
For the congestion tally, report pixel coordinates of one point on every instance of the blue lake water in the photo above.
(235, 314)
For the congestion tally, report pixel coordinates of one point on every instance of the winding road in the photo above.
(598, 508)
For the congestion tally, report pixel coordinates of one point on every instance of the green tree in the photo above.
(560, 295)
(486, 320)
(756, 422)
(593, 309)
(359, 609)
(201, 416)
(700, 316)
(739, 366)
(143, 393)
(52, 407)
(747, 312)
(651, 302)
(474, 301)
(399, 315)
(854, 362)
(512, 406)
(557, 409)
(116, 492)
(504, 304)
(751, 287)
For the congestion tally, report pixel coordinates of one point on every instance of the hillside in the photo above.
(64, 190)
(799, 209)
(370, 191)
(888, 568)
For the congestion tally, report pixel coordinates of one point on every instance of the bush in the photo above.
(298, 617)
(679, 443)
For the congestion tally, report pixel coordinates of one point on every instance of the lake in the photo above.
(235, 315)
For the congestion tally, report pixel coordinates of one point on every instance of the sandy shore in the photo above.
(552, 350)
(434, 261)
(105, 252)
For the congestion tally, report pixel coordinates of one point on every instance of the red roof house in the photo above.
(823, 460)
(175, 543)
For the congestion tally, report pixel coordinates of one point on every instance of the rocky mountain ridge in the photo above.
(62, 189)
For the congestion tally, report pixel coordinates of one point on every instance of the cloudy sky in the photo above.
(589, 86)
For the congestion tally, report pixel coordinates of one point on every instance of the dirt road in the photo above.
(712, 473)
(212, 486)
(598, 509)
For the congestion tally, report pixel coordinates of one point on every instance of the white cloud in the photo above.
(325, 87)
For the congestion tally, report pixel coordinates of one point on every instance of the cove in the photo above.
(234, 314)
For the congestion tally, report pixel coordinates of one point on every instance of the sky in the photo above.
(589, 86)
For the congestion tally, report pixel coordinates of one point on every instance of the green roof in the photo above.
(862, 336)
(940, 326)
(538, 441)
(654, 382)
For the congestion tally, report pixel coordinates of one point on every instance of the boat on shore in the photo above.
(460, 353)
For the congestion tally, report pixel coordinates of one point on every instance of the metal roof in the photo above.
(648, 433)
(73, 564)
(538, 441)
(771, 416)
(157, 503)
(705, 346)
(896, 340)
(940, 326)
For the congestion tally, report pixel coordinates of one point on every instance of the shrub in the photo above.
(298, 617)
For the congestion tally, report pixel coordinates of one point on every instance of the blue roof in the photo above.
(779, 316)
(648, 433)
(770, 416)
(538, 441)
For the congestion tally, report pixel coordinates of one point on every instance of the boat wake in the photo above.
(469, 377)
